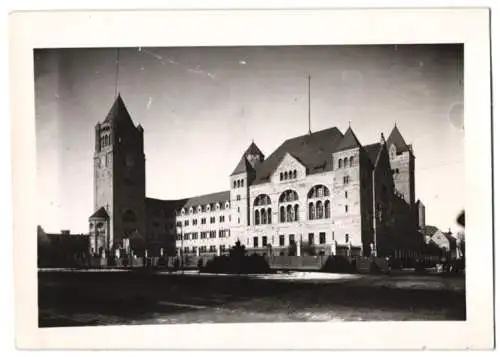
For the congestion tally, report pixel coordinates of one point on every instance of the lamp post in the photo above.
(179, 231)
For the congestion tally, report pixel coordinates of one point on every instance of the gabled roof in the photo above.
(242, 167)
(118, 112)
(100, 213)
(430, 230)
(372, 151)
(313, 150)
(397, 139)
(350, 141)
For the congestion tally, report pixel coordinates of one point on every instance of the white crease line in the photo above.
(168, 303)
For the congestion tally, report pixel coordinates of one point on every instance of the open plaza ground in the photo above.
(80, 298)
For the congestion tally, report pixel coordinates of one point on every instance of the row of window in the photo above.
(291, 195)
(194, 222)
(203, 249)
(320, 210)
(221, 233)
(238, 183)
(291, 240)
(206, 208)
(105, 140)
(346, 162)
(289, 175)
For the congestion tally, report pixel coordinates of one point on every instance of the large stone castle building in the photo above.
(320, 193)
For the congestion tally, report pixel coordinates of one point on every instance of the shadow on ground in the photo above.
(104, 298)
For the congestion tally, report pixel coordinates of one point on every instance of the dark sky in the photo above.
(201, 107)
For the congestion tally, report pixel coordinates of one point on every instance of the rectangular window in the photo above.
(229, 218)
(333, 236)
(203, 220)
(195, 222)
(346, 180)
(238, 220)
(347, 237)
(282, 240)
(186, 223)
(346, 208)
(322, 238)
(228, 233)
(291, 238)
(238, 210)
(345, 194)
(221, 219)
(264, 241)
(222, 248)
(255, 242)
(311, 238)
(186, 236)
(238, 197)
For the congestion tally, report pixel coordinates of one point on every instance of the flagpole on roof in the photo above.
(309, 102)
(117, 63)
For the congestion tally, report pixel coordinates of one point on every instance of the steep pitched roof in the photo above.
(243, 166)
(430, 230)
(100, 213)
(397, 139)
(349, 141)
(313, 150)
(118, 112)
(372, 151)
(253, 150)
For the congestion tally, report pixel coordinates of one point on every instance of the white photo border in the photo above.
(180, 28)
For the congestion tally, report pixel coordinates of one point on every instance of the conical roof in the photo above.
(118, 112)
(396, 139)
(349, 141)
(100, 213)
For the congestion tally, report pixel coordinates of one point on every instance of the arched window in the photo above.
(288, 196)
(289, 213)
(269, 215)
(129, 216)
(345, 161)
(257, 217)
(296, 212)
(318, 191)
(281, 176)
(242, 182)
(319, 210)
(262, 200)
(294, 174)
(282, 214)
(286, 175)
(327, 209)
(340, 163)
(351, 161)
(311, 210)
(234, 184)
(263, 216)
(290, 175)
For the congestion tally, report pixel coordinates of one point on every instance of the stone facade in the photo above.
(321, 193)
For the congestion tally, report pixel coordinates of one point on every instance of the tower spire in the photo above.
(309, 103)
(117, 70)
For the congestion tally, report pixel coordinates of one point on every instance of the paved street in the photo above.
(104, 298)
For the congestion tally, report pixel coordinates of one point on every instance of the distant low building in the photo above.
(445, 241)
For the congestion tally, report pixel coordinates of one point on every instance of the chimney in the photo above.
(382, 139)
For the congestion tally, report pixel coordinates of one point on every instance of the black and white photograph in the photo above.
(248, 184)
(255, 184)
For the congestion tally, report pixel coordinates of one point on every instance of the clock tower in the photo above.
(119, 182)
